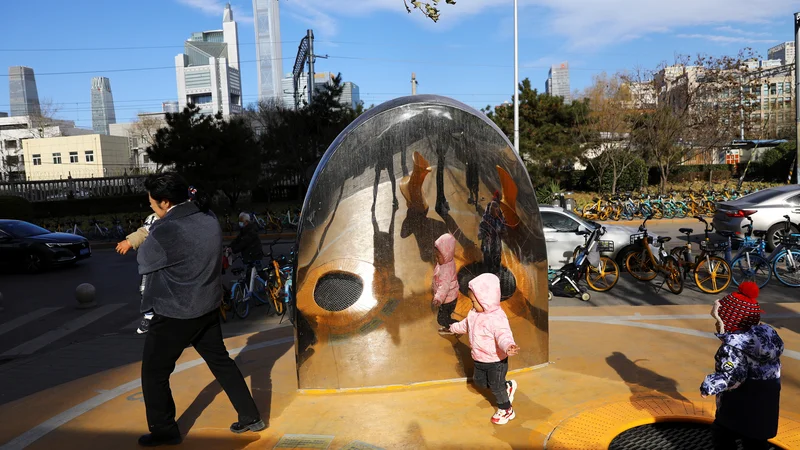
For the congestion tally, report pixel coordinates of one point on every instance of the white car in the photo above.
(560, 227)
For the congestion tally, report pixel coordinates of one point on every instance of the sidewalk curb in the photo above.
(100, 245)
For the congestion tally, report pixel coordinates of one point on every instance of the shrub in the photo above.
(12, 207)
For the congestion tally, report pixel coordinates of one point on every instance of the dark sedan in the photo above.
(30, 247)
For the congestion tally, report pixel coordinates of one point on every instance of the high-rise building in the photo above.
(22, 91)
(558, 81)
(350, 95)
(267, 20)
(784, 52)
(208, 73)
(170, 107)
(350, 91)
(102, 105)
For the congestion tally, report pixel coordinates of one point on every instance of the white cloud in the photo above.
(584, 23)
(216, 7)
(727, 39)
(732, 30)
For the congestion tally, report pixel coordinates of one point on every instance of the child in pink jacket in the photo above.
(445, 282)
(492, 343)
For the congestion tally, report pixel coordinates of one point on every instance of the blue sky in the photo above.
(468, 55)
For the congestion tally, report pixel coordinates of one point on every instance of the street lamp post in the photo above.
(516, 81)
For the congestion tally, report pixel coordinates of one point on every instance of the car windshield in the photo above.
(23, 229)
(581, 219)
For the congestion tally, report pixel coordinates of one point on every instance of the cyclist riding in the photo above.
(248, 243)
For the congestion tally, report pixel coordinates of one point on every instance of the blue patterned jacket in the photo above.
(747, 381)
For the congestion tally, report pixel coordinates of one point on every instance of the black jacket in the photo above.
(182, 258)
(248, 244)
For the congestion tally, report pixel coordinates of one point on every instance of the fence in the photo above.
(282, 188)
(52, 190)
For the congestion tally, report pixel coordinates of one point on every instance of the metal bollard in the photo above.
(85, 295)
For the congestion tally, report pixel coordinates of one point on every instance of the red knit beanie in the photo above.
(740, 310)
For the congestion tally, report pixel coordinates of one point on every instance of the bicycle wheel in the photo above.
(673, 275)
(681, 211)
(787, 270)
(638, 265)
(712, 275)
(758, 270)
(604, 276)
(241, 304)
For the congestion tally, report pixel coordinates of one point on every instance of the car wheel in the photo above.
(622, 255)
(774, 234)
(33, 263)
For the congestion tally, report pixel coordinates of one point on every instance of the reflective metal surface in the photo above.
(396, 179)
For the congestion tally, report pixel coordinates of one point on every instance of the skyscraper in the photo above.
(102, 105)
(268, 48)
(557, 83)
(208, 72)
(22, 91)
(784, 52)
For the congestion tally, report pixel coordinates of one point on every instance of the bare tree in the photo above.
(606, 133)
(43, 118)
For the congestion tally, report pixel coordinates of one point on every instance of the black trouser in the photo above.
(163, 346)
(493, 376)
(445, 311)
(725, 439)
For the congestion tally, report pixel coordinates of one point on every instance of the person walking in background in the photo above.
(492, 343)
(134, 241)
(747, 373)
(445, 282)
(182, 260)
(492, 229)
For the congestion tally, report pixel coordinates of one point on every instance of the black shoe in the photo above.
(144, 326)
(256, 425)
(151, 440)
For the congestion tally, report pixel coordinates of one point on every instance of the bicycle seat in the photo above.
(725, 233)
(759, 233)
(663, 239)
(686, 230)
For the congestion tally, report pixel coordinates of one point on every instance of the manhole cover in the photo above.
(337, 291)
(668, 436)
(508, 284)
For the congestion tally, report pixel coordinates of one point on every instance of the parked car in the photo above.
(766, 207)
(33, 248)
(560, 226)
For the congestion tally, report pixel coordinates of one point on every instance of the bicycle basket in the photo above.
(709, 246)
(792, 239)
(636, 239)
(605, 246)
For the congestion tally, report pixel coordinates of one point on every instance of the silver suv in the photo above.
(766, 208)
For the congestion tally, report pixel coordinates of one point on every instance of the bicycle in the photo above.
(707, 266)
(751, 260)
(587, 263)
(243, 290)
(644, 265)
(98, 230)
(787, 253)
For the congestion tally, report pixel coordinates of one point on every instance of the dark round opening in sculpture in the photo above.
(400, 177)
(337, 291)
(668, 436)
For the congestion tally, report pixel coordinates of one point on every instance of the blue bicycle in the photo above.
(751, 262)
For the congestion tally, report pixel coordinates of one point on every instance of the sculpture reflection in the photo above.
(365, 299)
(492, 229)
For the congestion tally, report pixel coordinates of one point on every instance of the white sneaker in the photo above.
(502, 416)
(511, 389)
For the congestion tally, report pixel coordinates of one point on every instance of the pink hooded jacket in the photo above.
(445, 281)
(489, 332)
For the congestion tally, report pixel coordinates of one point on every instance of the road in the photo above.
(42, 329)
(45, 340)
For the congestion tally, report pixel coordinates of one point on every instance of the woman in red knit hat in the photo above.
(747, 377)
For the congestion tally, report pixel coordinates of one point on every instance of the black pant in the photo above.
(163, 346)
(493, 376)
(445, 311)
(725, 439)
(492, 261)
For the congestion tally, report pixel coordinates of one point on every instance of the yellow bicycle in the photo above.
(644, 265)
